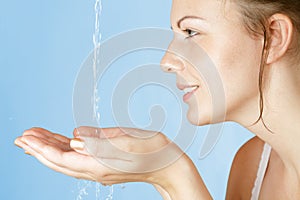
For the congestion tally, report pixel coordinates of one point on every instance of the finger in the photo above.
(35, 132)
(61, 138)
(21, 144)
(43, 133)
(57, 143)
(51, 141)
(18, 142)
(98, 170)
(56, 139)
(70, 159)
(61, 145)
(55, 167)
(85, 131)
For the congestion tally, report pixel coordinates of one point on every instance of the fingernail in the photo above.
(28, 153)
(76, 132)
(17, 143)
(77, 144)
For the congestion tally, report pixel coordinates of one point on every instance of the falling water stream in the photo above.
(84, 185)
(96, 59)
(97, 42)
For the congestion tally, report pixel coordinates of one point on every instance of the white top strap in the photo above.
(261, 171)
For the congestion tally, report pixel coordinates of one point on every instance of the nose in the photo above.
(172, 63)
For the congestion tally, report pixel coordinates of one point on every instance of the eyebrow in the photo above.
(188, 17)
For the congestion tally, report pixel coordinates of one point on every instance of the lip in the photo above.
(188, 95)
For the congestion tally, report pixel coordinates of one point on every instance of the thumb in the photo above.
(86, 131)
(79, 146)
(87, 145)
(99, 148)
(101, 133)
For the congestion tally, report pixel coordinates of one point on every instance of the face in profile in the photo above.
(218, 29)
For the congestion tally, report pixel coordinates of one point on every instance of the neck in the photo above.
(282, 115)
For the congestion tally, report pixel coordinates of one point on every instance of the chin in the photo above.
(198, 118)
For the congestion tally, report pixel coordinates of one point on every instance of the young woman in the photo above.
(254, 45)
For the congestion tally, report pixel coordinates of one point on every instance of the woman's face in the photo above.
(217, 28)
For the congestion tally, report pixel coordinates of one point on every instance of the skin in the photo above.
(225, 44)
(236, 55)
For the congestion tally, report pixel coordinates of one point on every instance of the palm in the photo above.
(54, 151)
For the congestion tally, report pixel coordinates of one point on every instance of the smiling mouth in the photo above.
(189, 91)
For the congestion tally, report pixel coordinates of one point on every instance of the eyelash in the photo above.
(190, 33)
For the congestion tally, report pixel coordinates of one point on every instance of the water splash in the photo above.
(82, 187)
(123, 186)
(97, 187)
(111, 193)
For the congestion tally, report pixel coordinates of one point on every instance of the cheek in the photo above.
(238, 63)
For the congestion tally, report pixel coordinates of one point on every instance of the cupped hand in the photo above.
(109, 156)
(118, 155)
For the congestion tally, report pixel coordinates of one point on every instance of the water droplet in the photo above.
(123, 186)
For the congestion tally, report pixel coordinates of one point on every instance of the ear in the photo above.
(280, 29)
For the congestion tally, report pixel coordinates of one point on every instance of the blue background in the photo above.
(42, 46)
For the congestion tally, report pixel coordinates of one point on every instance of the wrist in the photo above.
(181, 180)
(163, 192)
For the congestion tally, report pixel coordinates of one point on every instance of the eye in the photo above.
(190, 33)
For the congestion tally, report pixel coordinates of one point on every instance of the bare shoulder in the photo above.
(244, 169)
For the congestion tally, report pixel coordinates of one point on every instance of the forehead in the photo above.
(208, 9)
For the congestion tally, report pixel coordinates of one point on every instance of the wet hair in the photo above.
(255, 14)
